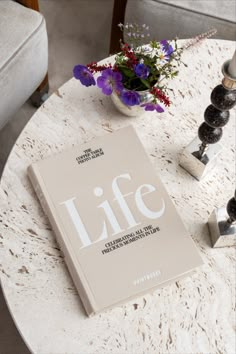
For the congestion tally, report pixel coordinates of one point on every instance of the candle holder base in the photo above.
(197, 167)
(222, 233)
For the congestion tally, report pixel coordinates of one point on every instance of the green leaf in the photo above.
(145, 83)
(126, 71)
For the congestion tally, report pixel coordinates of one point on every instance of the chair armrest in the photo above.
(41, 94)
(32, 4)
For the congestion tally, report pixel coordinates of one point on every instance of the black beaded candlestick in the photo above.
(222, 225)
(200, 155)
(231, 210)
(216, 116)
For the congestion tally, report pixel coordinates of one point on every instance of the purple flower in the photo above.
(83, 74)
(166, 51)
(130, 98)
(142, 71)
(152, 107)
(110, 80)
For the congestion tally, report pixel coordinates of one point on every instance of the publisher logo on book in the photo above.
(148, 276)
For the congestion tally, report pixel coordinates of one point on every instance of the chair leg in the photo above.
(41, 94)
(117, 17)
(31, 4)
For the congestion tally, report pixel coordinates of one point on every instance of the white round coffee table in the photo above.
(194, 315)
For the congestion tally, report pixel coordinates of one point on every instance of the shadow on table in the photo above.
(10, 339)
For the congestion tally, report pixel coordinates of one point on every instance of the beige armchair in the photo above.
(24, 56)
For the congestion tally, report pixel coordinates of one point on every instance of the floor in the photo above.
(79, 32)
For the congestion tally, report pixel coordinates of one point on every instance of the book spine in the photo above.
(70, 259)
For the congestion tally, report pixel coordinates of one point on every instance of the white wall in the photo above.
(167, 21)
(224, 9)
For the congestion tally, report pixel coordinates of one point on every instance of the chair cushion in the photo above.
(23, 58)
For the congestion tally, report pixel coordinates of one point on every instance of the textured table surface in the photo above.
(194, 315)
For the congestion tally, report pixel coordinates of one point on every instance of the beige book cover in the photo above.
(120, 234)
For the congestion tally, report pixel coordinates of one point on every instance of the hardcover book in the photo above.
(120, 234)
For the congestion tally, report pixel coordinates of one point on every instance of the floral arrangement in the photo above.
(137, 68)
